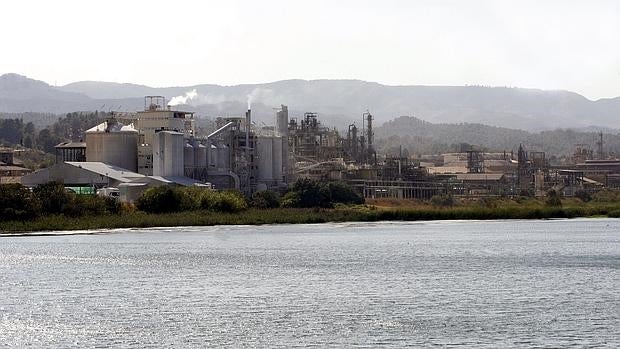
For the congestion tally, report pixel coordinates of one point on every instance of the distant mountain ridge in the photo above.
(339, 102)
(422, 137)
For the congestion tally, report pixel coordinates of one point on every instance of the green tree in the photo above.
(165, 199)
(311, 193)
(340, 192)
(52, 197)
(16, 202)
(265, 199)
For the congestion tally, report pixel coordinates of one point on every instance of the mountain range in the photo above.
(338, 102)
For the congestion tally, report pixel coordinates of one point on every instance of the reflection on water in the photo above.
(494, 284)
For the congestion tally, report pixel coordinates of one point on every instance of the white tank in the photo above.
(264, 153)
(188, 156)
(277, 159)
(114, 144)
(200, 156)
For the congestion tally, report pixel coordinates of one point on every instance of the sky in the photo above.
(551, 44)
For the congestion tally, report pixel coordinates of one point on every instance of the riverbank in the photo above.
(377, 211)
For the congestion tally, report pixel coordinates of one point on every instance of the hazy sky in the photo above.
(563, 44)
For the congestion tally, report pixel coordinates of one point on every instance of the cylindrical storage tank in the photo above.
(117, 147)
(168, 154)
(223, 157)
(277, 158)
(200, 156)
(212, 156)
(264, 153)
(188, 156)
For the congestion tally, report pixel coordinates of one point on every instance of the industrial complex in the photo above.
(131, 152)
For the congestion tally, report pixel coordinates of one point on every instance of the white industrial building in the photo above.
(158, 146)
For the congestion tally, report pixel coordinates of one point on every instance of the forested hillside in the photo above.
(422, 137)
(339, 102)
(17, 131)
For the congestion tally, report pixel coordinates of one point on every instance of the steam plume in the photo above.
(183, 99)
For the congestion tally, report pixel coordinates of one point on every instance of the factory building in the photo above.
(114, 144)
(70, 151)
(11, 169)
(158, 146)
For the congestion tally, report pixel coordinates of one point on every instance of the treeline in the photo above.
(71, 127)
(422, 137)
(40, 120)
(305, 193)
(20, 203)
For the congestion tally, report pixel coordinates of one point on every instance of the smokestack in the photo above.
(248, 122)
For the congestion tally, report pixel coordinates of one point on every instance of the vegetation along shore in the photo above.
(50, 207)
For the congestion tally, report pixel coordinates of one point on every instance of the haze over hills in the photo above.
(422, 137)
(339, 102)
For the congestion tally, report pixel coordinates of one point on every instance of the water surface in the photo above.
(481, 284)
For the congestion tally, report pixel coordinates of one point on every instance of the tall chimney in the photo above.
(248, 122)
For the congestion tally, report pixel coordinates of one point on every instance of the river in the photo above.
(552, 283)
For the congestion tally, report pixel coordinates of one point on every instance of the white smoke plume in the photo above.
(185, 99)
(259, 94)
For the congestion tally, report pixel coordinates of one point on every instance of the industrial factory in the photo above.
(130, 152)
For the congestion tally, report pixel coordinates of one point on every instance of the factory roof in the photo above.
(113, 172)
(479, 176)
(112, 127)
(179, 180)
(592, 181)
(71, 145)
(13, 168)
(447, 169)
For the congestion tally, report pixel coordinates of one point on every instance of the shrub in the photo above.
(223, 201)
(16, 202)
(290, 199)
(265, 199)
(553, 198)
(606, 196)
(342, 193)
(311, 193)
(165, 199)
(91, 205)
(52, 197)
(583, 195)
(443, 200)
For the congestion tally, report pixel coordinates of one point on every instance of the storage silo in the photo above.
(200, 156)
(264, 153)
(168, 154)
(277, 159)
(212, 156)
(223, 157)
(114, 144)
(188, 156)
